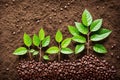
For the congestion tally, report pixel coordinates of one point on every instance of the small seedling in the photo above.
(62, 45)
(90, 29)
(41, 41)
(38, 41)
(23, 50)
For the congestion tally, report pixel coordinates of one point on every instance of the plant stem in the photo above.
(88, 43)
(40, 54)
(59, 52)
(30, 56)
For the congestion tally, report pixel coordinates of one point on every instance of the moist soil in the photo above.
(19, 16)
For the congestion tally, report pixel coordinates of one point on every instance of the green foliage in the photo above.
(31, 50)
(79, 48)
(91, 30)
(73, 30)
(100, 35)
(83, 33)
(58, 36)
(46, 57)
(65, 42)
(36, 40)
(79, 39)
(66, 51)
(62, 45)
(99, 48)
(20, 51)
(41, 34)
(86, 18)
(27, 40)
(52, 50)
(46, 41)
(81, 28)
(35, 53)
(96, 25)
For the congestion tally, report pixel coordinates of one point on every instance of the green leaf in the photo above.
(79, 39)
(65, 42)
(86, 18)
(73, 30)
(35, 53)
(100, 35)
(66, 51)
(96, 25)
(20, 51)
(46, 57)
(31, 50)
(99, 48)
(79, 48)
(52, 50)
(36, 40)
(81, 28)
(27, 40)
(41, 34)
(58, 36)
(46, 41)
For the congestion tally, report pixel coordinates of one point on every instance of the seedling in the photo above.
(23, 50)
(38, 41)
(41, 41)
(91, 30)
(62, 46)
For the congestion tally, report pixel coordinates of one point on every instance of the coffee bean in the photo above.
(88, 69)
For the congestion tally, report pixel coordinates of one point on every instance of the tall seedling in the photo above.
(62, 45)
(88, 31)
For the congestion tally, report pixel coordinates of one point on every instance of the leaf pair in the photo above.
(63, 45)
(34, 52)
(23, 50)
(41, 39)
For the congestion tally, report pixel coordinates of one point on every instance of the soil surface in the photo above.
(19, 16)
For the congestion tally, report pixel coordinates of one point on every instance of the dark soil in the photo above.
(19, 16)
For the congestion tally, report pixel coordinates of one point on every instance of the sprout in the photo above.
(62, 45)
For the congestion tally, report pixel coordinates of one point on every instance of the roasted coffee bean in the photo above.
(87, 68)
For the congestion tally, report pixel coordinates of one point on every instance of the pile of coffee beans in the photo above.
(87, 68)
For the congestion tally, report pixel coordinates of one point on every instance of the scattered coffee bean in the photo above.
(60, 21)
(13, 33)
(6, 5)
(50, 17)
(13, 0)
(97, 7)
(118, 57)
(47, 5)
(37, 21)
(68, 4)
(7, 69)
(65, 7)
(61, 9)
(111, 54)
(54, 14)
